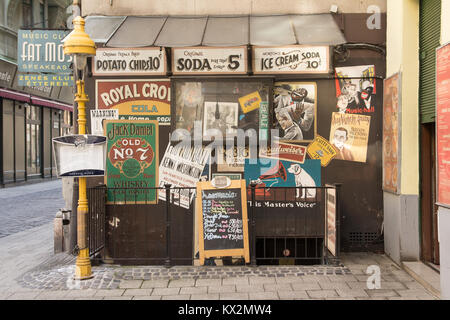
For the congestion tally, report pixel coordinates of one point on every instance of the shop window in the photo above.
(8, 140)
(33, 140)
(20, 140)
(220, 107)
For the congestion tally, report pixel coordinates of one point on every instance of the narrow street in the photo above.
(29, 206)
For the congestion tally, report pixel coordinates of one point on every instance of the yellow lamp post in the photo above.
(80, 46)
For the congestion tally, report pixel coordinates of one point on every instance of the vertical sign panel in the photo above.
(391, 134)
(443, 124)
(132, 161)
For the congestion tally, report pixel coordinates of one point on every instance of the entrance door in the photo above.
(430, 244)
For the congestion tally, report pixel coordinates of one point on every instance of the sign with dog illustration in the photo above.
(267, 174)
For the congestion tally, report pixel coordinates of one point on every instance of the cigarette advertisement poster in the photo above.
(132, 161)
(442, 124)
(349, 135)
(135, 99)
(391, 134)
(182, 167)
(321, 149)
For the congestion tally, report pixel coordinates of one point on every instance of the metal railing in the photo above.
(288, 223)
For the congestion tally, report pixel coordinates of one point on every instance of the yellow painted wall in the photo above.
(402, 56)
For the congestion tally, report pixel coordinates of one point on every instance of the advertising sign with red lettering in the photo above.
(443, 123)
(284, 151)
(136, 99)
(132, 161)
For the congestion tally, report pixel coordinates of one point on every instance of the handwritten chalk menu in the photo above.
(221, 215)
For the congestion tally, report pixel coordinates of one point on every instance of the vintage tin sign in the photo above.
(130, 61)
(42, 51)
(136, 99)
(291, 59)
(321, 149)
(217, 60)
(132, 161)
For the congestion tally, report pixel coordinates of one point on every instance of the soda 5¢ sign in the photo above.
(132, 164)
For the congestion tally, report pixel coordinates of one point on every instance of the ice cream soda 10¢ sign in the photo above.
(132, 161)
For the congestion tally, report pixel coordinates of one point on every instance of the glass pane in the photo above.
(20, 142)
(8, 140)
(222, 106)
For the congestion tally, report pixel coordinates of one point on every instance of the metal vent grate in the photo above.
(362, 237)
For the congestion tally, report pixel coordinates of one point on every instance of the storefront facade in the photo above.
(30, 118)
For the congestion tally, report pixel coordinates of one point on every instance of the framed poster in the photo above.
(221, 218)
(442, 124)
(132, 161)
(391, 133)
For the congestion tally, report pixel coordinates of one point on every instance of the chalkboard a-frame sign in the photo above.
(222, 223)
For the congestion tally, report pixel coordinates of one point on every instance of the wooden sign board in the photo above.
(222, 223)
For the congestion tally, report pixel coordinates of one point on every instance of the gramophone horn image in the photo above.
(277, 171)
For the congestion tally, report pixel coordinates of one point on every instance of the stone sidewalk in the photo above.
(31, 271)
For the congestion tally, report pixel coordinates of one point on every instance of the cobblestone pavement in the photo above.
(29, 206)
(31, 271)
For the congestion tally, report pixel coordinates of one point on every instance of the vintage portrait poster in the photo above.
(189, 104)
(132, 161)
(349, 135)
(356, 89)
(321, 149)
(182, 167)
(295, 107)
(271, 173)
(220, 118)
(135, 99)
(232, 159)
(391, 134)
(442, 124)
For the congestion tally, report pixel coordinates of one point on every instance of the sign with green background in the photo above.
(132, 161)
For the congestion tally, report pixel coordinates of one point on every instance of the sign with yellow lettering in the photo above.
(321, 149)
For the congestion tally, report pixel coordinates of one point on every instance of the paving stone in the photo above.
(165, 291)
(334, 285)
(222, 289)
(261, 280)
(348, 293)
(263, 296)
(130, 284)
(137, 292)
(288, 279)
(292, 295)
(51, 295)
(414, 293)
(208, 282)
(392, 285)
(209, 296)
(314, 278)
(277, 287)
(176, 297)
(148, 284)
(118, 298)
(306, 286)
(357, 285)
(342, 278)
(322, 293)
(413, 285)
(233, 296)
(194, 290)
(181, 283)
(81, 293)
(235, 281)
(250, 288)
(403, 298)
(340, 298)
(381, 293)
(147, 298)
(109, 293)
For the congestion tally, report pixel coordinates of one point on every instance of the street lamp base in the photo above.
(83, 269)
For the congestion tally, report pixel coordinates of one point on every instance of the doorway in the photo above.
(429, 230)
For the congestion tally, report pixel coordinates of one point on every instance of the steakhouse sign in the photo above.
(136, 99)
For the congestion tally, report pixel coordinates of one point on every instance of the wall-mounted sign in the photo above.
(79, 155)
(47, 80)
(222, 222)
(135, 99)
(291, 59)
(42, 51)
(391, 134)
(7, 72)
(132, 161)
(321, 149)
(232, 159)
(442, 121)
(284, 151)
(203, 60)
(97, 117)
(130, 61)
